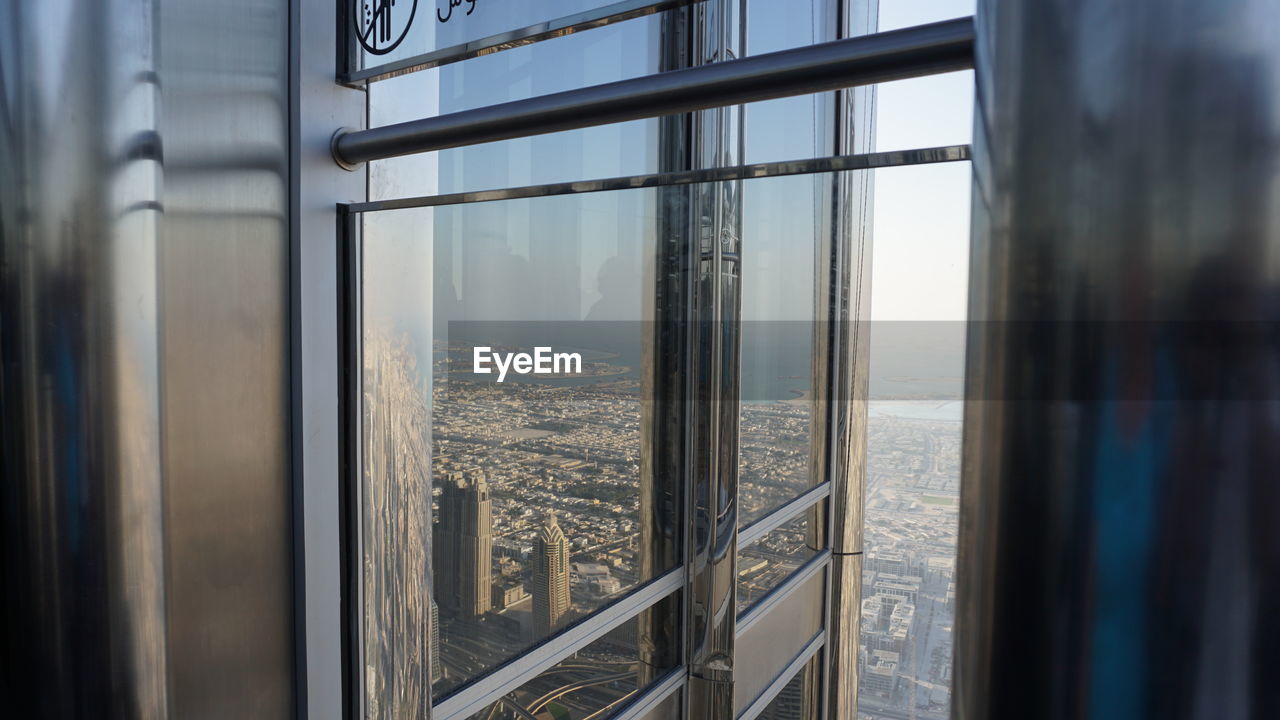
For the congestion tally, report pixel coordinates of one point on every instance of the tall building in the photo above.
(437, 671)
(550, 577)
(464, 546)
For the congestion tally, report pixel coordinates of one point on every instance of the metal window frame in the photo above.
(759, 609)
(501, 679)
(783, 514)
(900, 54)
(487, 688)
(780, 168)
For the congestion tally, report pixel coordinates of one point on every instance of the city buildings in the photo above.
(464, 545)
(550, 578)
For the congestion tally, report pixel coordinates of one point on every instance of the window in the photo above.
(596, 539)
(914, 430)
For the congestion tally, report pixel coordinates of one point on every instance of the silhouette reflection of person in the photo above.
(618, 285)
(497, 283)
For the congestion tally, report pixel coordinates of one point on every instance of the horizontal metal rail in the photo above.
(864, 60)
(781, 168)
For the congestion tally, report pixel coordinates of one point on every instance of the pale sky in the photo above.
(921, 261)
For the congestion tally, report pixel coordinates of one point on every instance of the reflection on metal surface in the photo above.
(865, 161)
(1118, 533)
(144, 349)
(83, 556)
(780, 634)
(850, 290)
(715, 231)
(799, 698)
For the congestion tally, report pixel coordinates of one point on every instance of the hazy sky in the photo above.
(921, 261)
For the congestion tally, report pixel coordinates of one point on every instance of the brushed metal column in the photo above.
(851, 349)
(1119, 544)
(145, 550)
(82, 556)
(715, 227)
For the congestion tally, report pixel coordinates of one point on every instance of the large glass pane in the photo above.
(537, 483)
(766, 563)
(785, 238)
(796, 127)
(784, 220)
(615, 52)
(913, 440)
(897, 14)
(388, 31)
(540, 498)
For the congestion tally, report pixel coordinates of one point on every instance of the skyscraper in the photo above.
(437, 671)
(550, 577)
(464, 546)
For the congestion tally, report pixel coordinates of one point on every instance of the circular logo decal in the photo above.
(382, 24)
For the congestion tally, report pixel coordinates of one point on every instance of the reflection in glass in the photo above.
(799, 700)
(786, 225)
(393, 31)
(549, 494)
(795, 127)
(765, 564)
(588, 685)
(535, 483)
(395, 530)
(615, 52)
(783, 223)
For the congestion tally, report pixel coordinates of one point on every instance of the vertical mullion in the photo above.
(716, 232)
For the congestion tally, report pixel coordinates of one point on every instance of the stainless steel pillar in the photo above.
(82, 548)
(715, 230)
(145, 552)
(1119, 544)
(851, 342)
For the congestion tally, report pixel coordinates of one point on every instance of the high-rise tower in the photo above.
(464, 546)
(437, 671)
(550, 578)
